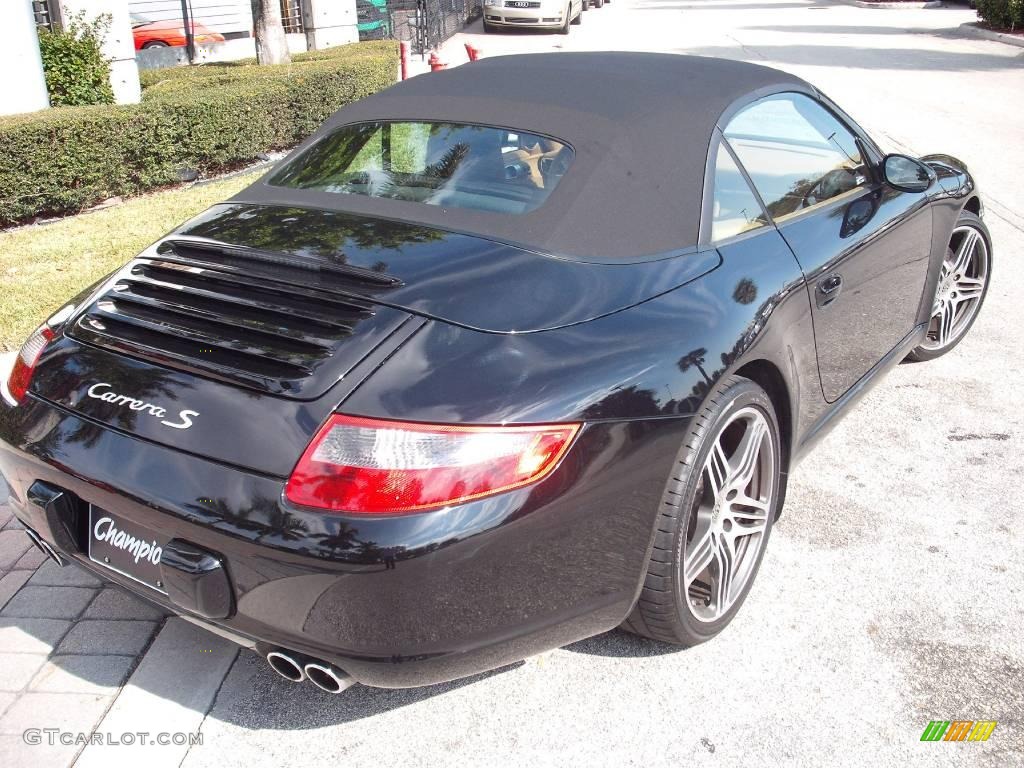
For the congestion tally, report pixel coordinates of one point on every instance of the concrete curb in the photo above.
(973, 29)
(923, 4)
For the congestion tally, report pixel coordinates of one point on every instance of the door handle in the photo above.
(828, 289)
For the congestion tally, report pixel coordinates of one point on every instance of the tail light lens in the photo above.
(368, 466)
(25, 363)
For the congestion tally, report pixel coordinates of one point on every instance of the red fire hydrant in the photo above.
(435, 63)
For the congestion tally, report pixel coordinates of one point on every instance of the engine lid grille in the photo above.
(271, 322)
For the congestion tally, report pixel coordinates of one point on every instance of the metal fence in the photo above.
(446, 17)
(425, 24)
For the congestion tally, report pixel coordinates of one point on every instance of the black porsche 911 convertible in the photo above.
(499, 358)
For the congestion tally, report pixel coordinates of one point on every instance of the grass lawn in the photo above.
(41, 267)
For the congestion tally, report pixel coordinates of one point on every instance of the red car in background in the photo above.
(161, 34)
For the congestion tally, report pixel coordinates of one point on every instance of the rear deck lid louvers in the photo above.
(269, 321)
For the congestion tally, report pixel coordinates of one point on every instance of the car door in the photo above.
(863, 245)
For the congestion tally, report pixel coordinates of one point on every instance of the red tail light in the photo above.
(388, 467)
(25, 363)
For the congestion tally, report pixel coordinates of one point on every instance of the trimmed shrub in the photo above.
(76, 71)
(1002, 14)
(211, 119)
(233, 69)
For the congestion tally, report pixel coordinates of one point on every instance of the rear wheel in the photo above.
(599, 3)
(716, 516)
(154, 44)
(963, 284)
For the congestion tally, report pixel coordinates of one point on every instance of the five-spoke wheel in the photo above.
(717, 513)
(963, 282)
(729, 519)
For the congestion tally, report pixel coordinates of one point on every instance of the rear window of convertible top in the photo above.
(446, 164)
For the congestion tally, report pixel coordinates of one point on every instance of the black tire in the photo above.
(154, 44)
(598, 3)
(579, 16)
(967, 219)
(488, 28)
(564, 29)
(660, 612)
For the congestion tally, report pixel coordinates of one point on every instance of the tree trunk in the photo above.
(271, 45)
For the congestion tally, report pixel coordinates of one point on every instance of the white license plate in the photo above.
(125, 547)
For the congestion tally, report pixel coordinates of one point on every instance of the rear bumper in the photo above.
(395, 602)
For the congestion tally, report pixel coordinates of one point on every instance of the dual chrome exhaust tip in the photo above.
(297, 668)
(41, 544)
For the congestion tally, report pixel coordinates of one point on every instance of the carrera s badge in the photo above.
(102, 391)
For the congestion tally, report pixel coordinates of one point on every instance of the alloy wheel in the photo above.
(960, 290)
(729, 519)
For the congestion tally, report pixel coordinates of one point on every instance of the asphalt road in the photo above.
(892, 590)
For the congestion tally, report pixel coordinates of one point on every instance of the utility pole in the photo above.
(189, 27)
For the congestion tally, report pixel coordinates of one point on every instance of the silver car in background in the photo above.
(543, 14)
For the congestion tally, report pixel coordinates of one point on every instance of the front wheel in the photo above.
(564, 29)
(578, 19)
(961, 290)
(720, 501)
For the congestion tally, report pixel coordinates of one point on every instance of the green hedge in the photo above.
(207, 119)
(231, 69)
(76, 71)
(1002, 14)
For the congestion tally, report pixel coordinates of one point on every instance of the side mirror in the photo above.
(907, 174)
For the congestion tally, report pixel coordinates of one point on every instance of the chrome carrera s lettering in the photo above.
(185, 420)
(102, 391)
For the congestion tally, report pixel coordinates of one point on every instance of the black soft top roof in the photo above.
(640, 125)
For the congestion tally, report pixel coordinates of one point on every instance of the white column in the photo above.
(24, 88)
(329, 22)
(118, 46)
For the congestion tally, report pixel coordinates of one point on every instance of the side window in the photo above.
(736, 209)
(797, 153)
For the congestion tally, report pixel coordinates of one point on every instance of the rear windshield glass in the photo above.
(446, 164)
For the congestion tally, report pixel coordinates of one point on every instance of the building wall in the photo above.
(19, 53)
